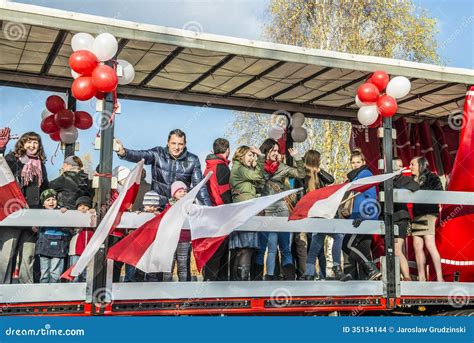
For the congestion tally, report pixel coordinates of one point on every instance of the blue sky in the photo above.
(144, 125)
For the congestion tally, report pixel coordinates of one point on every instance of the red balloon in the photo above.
(83, 89)
(99, 95)
(387, 105)
(368, 92)
(377, 123)
(105, 78)
(55, 103)
(55, 136)
(83, 62)
(64, 118)
(83, 120)
(380, 79)
(48, 125)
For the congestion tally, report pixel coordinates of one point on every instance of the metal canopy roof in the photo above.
(184, 67)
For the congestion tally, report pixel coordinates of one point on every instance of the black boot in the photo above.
(339, 274)
(289, 272)
(307, 278)
(373, 273)
(243, 273)
(258, 272)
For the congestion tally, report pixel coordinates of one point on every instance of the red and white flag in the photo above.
(109, 222)
(151, 247)
(324, 202)
(210, 226)
(11, 198)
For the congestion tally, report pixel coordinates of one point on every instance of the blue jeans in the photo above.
(317, 246)
(81, 277)
(282, 240)
(51, 269)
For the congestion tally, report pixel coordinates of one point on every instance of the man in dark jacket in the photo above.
(216, 269)
(72, 184)
(169, 164)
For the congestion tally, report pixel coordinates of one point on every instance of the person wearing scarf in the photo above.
(275, 175)
(27, 163)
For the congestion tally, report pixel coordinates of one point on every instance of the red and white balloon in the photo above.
(376, 98)
(91, 76)
(60, 123)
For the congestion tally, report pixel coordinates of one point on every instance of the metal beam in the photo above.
(298, 84)
(337, 89)
(121, 45)
(78, 22)
(242, 289)
(438, 289)
(58, 43)
(208, 73)
(41, 293)
(256, 78)
(161, 66)
(420, 95)
(426, 109)
(61, 84)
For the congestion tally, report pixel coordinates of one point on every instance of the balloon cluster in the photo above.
(376, 98)
(92, 76)
(299, 133)
(60, 123)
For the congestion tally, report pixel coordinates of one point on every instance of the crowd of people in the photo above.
(41, 254)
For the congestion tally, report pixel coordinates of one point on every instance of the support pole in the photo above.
(389, 279)
(70, 149)
(99, 281)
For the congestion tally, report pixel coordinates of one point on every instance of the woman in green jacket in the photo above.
(276, 173)
(246, 177)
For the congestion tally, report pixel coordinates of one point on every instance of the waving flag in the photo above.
(324, 202)
(210, 226)
(109, 222)
(151, 247)
(11, 198)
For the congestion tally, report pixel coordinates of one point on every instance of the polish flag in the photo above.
(324, 202)
(210, 226)
(151, 247)
(11, 198)
(109, 222)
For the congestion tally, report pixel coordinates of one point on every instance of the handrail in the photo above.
(74, 218)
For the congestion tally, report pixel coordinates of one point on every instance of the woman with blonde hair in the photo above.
(246, 176)
(317, 178)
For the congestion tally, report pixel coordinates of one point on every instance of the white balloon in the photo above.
(398, 87)
(105, 46)
(297, 119)
(45, 113)
(69, 135)
(128, 73)
(299, 134)
(74, 74)
(367, 115)
(82, 41)
(275, 132)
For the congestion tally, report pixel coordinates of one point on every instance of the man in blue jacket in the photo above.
(169, 164)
